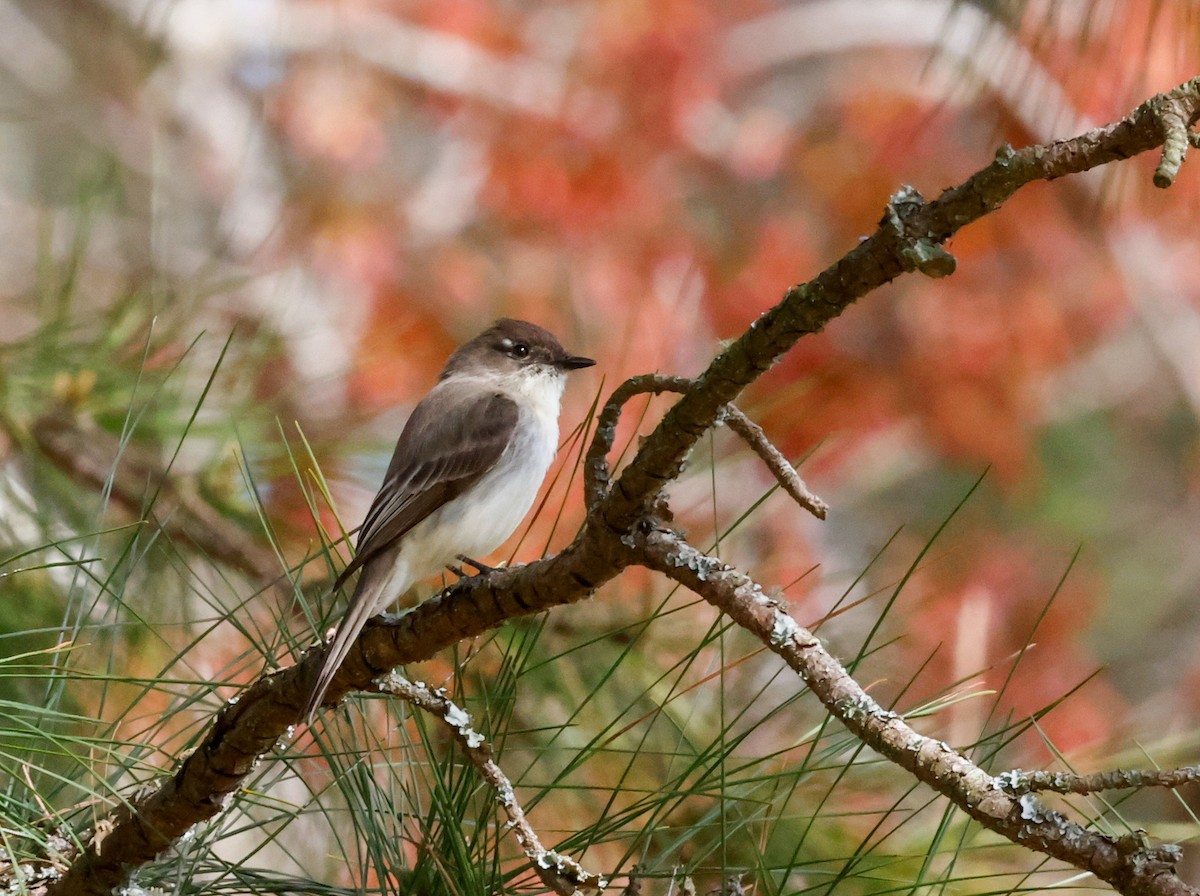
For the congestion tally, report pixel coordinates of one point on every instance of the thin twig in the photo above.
(606, 426)
(563, 875)
(1019, 781)
(599, 476)
(785, 474)
(1131, 867)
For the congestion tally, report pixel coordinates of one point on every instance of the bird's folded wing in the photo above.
(446, 446)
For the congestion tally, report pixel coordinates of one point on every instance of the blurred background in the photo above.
(238, 238)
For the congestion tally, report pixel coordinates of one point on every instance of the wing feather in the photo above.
(452, 439)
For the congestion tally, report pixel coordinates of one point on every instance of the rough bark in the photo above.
(622, 528)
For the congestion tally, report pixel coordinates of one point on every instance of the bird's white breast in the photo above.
(478, 521)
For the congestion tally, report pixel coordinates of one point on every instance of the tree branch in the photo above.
(1018, 781)
(619, 531)
(563, 875)
(87, 454)
(1023, 820)
(600, 477)
(909, 231)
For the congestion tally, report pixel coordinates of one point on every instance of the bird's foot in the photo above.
(479, 568)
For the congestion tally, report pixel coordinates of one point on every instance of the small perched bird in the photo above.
(466, 469)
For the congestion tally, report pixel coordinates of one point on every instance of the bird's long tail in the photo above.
(363, 605)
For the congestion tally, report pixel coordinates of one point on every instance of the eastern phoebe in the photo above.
(466, 469)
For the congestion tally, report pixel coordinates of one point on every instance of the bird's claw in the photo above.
(480, 568)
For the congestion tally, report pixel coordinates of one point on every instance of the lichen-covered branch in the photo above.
(910, 229)
(599, 475)
(1019, 781)
(910, 237)
(561, 874)
(1022, 819)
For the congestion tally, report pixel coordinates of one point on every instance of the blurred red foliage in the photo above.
(610, 170)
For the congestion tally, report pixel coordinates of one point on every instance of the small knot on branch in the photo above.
(929, 258)
(918, 252)
(1175, 146)
(1175, 113)
(1137, 851)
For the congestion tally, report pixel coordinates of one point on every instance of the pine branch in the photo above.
(621, 530)
(1144, 869)
(561, 874)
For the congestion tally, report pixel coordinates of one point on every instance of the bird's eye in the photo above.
(514, 349)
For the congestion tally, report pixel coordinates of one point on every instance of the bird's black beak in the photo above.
(575, 362)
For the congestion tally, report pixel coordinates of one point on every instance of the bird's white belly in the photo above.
(478, 521)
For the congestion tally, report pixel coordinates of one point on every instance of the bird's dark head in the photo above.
(513, 345)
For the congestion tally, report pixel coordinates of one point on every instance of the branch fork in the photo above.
(621, 530)
(1176, 113)
(600, 478)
